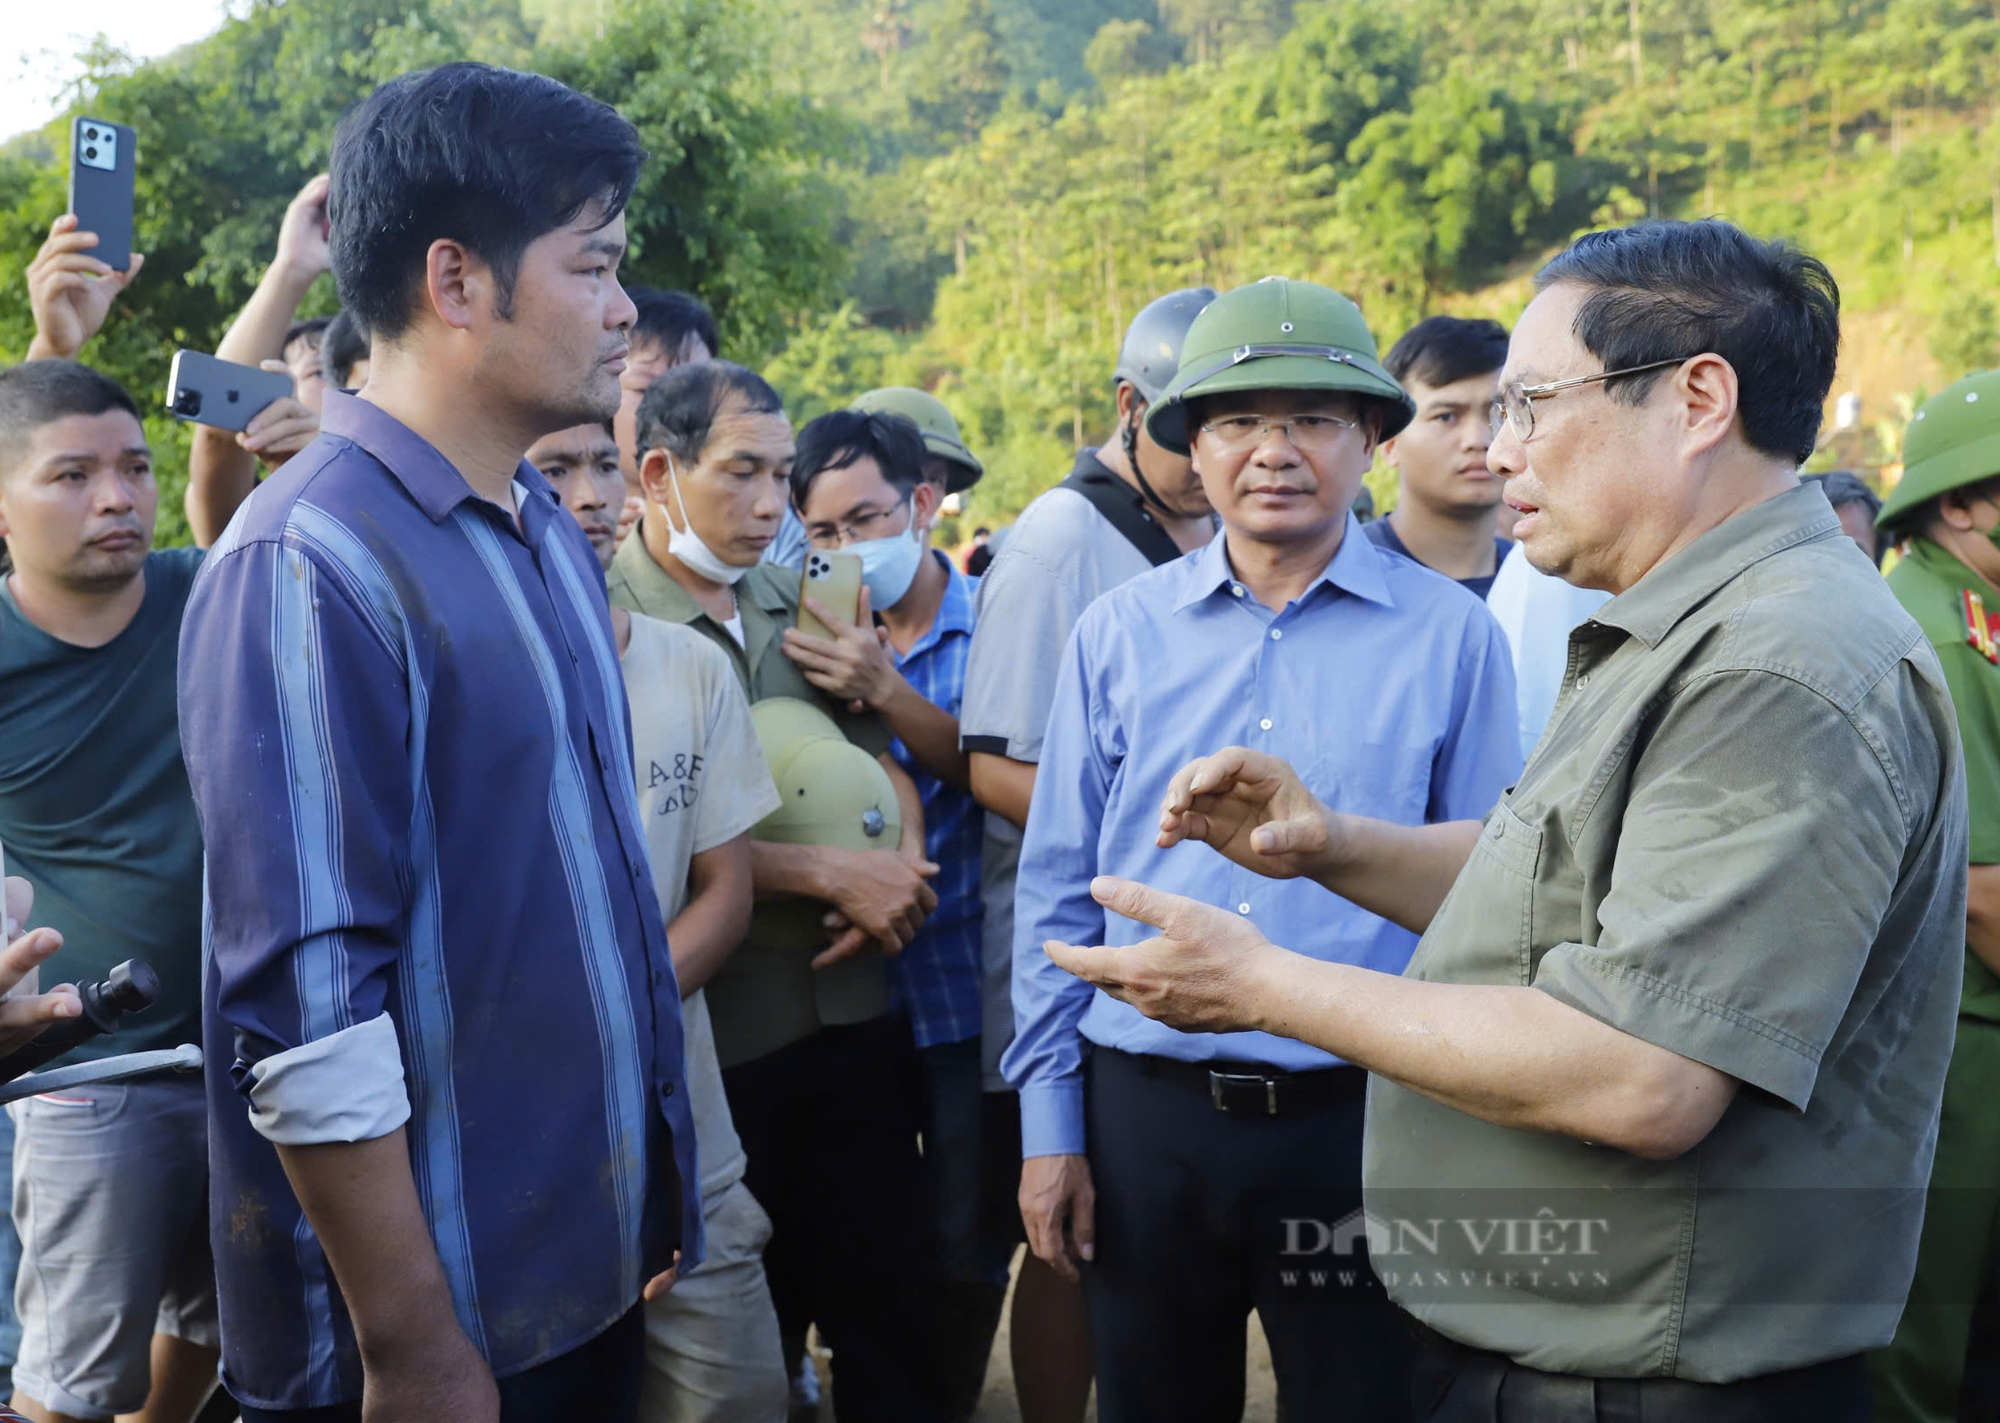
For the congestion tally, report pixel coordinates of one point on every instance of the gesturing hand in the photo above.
(1199, 974)
(23, 1018)
(1252, 808)
(70, 292)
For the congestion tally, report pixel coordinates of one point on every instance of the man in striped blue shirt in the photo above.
(450, 1140)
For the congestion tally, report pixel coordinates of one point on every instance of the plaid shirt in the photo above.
(938, 977)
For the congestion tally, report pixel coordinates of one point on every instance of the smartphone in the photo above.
(221, 393)
(835, 580)
(100, 187)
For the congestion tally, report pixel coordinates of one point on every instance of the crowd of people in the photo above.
(1534, 949)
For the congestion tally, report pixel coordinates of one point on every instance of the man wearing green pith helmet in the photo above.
(1946, 509)
(1198, 1176)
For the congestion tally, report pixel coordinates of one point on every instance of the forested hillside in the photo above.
(975, 195)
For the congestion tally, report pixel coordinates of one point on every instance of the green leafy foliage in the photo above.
(976, 196)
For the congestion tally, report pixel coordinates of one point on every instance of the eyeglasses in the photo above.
(860, 529)
(1515, 405)
(1310, 433)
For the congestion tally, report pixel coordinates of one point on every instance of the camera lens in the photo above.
(233, 395)
(187, 402)
(91, 134)
(90, 153)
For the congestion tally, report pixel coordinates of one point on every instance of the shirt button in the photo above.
(1236, 589)
(1242, 909)
(1277, 633)
(666, 1089)
(1265, 723)
(1583, 681)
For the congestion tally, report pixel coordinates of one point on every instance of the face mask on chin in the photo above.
(690, 548)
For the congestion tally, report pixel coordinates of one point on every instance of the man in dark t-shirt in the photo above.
(96, 813)
(1448, 510)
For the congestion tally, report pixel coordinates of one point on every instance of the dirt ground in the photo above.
(998, 1404)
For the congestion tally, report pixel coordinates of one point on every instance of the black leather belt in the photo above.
(1248, 1089)
(1459, 1384)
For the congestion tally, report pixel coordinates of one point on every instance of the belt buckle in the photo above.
(1217, 1081)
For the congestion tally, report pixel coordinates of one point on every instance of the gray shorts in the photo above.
(111, 1201)
(712, 1348)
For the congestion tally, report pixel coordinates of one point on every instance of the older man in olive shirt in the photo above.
(1654, 1105)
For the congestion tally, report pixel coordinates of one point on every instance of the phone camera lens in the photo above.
(233, 395)
(91, 134)
(90, 153)
(187, 403)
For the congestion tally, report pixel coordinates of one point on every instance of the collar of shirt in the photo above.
(1949, 570)
(954, 614)
(414, 462)
(1649, 609)
(660, 596)
(1355, 568)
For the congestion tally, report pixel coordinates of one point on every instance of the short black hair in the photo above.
(344, 342)
(1443, 350)
(667, 319)
(840, 438)
(680, 407)
(1667, 290)
(36, 393)
(312, 329)
(488, 157)
(1842, 486)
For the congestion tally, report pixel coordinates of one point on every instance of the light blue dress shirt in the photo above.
(1387, 686)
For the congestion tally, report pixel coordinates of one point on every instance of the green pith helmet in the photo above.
(940, 431)
(1276, 334)
(1953, 440)
(830, 792)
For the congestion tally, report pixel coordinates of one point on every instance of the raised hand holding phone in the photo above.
(70, 289)
(223, 394)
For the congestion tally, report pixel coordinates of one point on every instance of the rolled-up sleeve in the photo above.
(1740, 911)
(1052, 901)
(295, 713)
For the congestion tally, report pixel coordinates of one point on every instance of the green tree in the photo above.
(960, 78)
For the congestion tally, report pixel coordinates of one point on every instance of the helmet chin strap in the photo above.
(1146, 490)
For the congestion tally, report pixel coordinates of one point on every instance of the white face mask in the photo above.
(889, 565)
(690, 548)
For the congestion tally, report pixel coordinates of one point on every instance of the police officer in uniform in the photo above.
(1946, 509)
